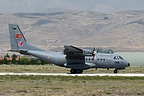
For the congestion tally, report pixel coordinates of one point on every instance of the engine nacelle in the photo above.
(87, 52)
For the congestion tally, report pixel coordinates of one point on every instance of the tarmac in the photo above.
(66, 74)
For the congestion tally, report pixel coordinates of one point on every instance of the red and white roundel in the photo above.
(20, 43)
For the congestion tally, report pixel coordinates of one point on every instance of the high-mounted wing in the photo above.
(74, 55)
(71, 50)
(75, 58)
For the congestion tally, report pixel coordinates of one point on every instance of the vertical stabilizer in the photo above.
(17, 39)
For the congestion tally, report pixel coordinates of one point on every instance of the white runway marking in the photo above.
(64, 74)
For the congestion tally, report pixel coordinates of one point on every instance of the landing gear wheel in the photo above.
(76, 71)
(72, 71)
(115, 71)
(79, 71)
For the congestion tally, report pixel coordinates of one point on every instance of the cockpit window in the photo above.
(118, 57)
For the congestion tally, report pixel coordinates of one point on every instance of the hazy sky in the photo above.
(12, 6)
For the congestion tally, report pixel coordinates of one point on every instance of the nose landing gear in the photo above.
(115, 71)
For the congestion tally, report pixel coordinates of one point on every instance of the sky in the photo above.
(105, 6)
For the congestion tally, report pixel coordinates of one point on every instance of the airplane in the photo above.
(77, 59)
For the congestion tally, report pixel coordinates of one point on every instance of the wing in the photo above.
(71, 50)
(75, 57)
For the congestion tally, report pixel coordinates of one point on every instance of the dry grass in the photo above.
(66, 85)
(71, 86)
(56, 69)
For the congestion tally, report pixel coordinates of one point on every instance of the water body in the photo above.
(134, 58)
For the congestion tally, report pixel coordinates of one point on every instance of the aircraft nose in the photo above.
(128, 64)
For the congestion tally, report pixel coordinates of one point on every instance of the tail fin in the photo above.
(18, 41)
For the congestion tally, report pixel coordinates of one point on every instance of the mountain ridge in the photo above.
(121, 31)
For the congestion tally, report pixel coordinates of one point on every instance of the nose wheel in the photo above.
(115, 71)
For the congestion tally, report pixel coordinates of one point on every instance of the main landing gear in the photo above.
(76, 71)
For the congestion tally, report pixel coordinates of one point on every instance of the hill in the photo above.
(121, 31)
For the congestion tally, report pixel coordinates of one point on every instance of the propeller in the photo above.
(94, 52)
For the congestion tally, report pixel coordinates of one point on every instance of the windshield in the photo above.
(118, 58)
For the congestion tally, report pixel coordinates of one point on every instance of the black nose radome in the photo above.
(128, 64)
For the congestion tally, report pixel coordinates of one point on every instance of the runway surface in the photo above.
(64, 74)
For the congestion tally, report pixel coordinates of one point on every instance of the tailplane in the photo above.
(18, 41)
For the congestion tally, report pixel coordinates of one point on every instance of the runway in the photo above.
(64, 74)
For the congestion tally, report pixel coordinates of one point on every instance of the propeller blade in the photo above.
(94, 51)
